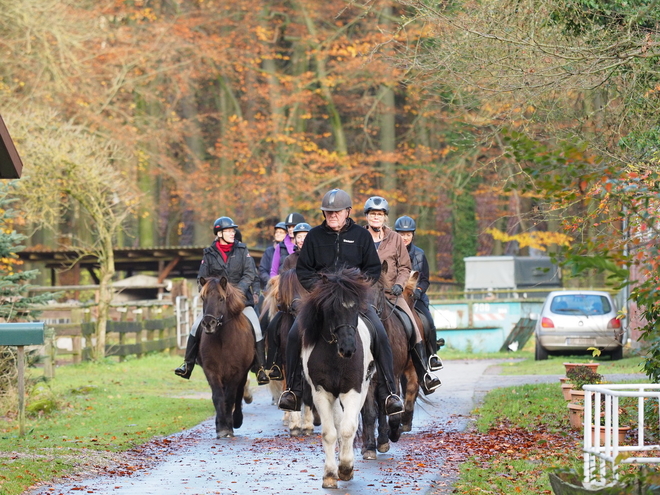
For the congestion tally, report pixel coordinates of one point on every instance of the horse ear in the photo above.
(384, 267)
(223, 282)
(324, 278)
(202, 281)
(414, 276)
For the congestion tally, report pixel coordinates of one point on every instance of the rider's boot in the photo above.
(427, 380)
(290, 400)
(274, 358)
(262, 377)
(435, 363)
(192, 349)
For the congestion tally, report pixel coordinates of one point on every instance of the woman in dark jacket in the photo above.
(406, 227)
(230, 258)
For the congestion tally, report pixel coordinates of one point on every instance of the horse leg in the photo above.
(247, 393)
(324, 405)
(369, 413)
(222, 429)
(352, 403)
(411, 388)
(238, 404)
(295, 423)
(307, 420)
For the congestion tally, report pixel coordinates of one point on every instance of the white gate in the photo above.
(602, 449)
(185, 316)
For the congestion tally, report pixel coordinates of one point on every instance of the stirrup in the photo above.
(262, 377)
(398, 399)
(184, 371)
(275, 373)
(431, 378)
(435, 367)
(289, 401)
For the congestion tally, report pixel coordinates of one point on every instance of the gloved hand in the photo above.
(396, 290)
(417, 294)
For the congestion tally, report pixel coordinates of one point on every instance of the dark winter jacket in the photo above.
(239, 268)
(264, 266)
(421, 265)
(326, 250)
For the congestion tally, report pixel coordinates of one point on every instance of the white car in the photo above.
(571, 321)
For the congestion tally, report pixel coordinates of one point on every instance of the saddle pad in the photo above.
(403, 318)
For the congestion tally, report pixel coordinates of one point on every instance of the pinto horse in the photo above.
(226, 351)
(337, 363)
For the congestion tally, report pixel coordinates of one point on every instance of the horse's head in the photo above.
(221, 301)
(331, 310)
(410, 287)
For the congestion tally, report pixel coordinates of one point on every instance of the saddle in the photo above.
(407, 323)
(427, 326)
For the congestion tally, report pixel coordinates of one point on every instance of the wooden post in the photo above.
(49, 351)
(21, 390)
(122, 335)
(138, 334)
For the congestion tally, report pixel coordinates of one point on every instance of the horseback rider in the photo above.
(280, 232)
(339, 243)
(406, 227)
(391, 249)
(230, 258)
(274, 359)
(286, 247)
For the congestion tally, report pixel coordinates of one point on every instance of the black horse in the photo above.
(226, 351)
(337, 363)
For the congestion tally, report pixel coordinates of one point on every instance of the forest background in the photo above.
(501, 126)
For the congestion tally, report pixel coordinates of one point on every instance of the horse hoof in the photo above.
(384, 447)
(295, 432)
(345, 474)
(224, 434)
(369, 455)
(248, 399)
(308, 431)
(406, 428)
(329, 482)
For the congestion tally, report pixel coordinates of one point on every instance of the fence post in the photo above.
(87, 318)
(138, 335)
(76, 340)
(122, 335)
(49, 351)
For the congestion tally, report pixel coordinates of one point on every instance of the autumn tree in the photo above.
(73, 172)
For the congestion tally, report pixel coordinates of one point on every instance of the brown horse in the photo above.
(226, 351)
(389, 428)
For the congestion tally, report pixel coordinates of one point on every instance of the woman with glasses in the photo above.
(392, 249)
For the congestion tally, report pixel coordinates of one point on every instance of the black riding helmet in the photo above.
(280, 225)
(223, 223)
(293, 219)
(405, 224)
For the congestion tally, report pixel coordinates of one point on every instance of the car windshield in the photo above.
(582, 304)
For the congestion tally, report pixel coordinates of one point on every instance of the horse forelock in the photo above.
(338, 296)
(234, 299)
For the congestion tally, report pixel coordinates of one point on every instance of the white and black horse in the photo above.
(337, 363)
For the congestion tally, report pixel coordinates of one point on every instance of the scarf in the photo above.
(224, 249)
(275, 265)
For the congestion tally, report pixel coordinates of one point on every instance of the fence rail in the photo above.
(134, 329)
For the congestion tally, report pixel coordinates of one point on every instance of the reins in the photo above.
(334, 335)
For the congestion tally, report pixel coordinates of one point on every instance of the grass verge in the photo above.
(90, 412)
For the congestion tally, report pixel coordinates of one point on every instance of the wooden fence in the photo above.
(135, 328)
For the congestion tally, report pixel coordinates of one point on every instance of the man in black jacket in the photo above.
(339, 243)
(230, 258)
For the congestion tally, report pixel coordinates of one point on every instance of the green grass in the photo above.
(100, 409)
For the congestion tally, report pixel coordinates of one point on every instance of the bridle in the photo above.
(333, 334)
(218, 319)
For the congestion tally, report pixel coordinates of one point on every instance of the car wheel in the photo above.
(540, 354)
(617, 353)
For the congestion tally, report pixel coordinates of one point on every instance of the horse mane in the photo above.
(234, 296)
(269, 304)
(289, 289)
(331, 297)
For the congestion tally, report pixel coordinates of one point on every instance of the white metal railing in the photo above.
(602, 458)
(185, 316)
